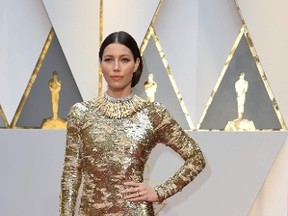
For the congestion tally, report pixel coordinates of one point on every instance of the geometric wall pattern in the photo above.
(190, 40)
(263, 114)
(260, 105)
(37, 98)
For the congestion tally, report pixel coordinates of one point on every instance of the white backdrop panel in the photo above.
(237, 164)
(267, 24)
(24, 29)
(197, 37)
(128, 15)
(267, 21)
(273, 198)
(31, 165)
(176, 27)
(76, 24)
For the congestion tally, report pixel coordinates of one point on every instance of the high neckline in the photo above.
(118, 100)
(119, 107)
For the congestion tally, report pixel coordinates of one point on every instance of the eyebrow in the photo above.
(124, 55)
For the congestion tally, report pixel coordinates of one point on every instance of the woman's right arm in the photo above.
(71, 175)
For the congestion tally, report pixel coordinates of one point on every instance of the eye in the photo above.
(108, 59)
(125, 60)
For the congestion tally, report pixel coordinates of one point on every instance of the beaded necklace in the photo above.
(119, 107)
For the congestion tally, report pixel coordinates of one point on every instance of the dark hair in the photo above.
(127, 40)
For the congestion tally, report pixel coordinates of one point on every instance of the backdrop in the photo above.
(195, 49)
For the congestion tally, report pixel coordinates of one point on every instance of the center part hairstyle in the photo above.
(127, 40)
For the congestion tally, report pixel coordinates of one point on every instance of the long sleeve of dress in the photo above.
(71, 176)
(170, 133)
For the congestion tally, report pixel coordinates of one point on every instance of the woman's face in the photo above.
(118, 66)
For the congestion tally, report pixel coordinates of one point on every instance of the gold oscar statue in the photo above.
(54, 122)
(240, 124)
(150, 87)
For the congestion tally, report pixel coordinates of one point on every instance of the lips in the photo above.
(116, 77)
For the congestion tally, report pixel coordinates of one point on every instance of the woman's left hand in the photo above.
(139, 192)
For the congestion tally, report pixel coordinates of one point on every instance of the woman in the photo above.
(110, 138)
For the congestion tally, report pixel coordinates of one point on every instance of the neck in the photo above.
(119, 94)
(118, 99)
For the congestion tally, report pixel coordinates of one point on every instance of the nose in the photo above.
(116, 66)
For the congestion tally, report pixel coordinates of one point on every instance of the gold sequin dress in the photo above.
(109, 141)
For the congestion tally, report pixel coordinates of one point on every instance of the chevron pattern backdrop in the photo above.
(189, 46)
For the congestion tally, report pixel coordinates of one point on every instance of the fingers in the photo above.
(134, 188)
(134, 191)
(133, 184)
(136, 195)
(139, 192)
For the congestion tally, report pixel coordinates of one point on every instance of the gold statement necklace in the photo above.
(119, 107)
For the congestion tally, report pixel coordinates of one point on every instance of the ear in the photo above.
(100, 66)
(100, 62)
(137, 63)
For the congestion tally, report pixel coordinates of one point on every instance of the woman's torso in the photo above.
(114, 151)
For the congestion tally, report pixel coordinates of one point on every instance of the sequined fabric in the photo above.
(108, 143)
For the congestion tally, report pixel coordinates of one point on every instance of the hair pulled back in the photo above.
(127, 40)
